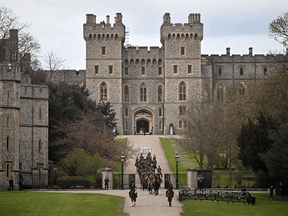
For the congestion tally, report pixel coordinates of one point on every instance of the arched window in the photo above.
(241, 89)
(142, 70)
(90, 37)
(180, 124)
(220, 93)
(169, 36)
(126, 94)
(182, 91)
(126, 71)
(265, 71)
(220, 71)
(241, 71)
(159, 71)
(103, 92)
(160, 94)
(143, 93)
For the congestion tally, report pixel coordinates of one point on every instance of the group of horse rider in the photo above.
(149, 178)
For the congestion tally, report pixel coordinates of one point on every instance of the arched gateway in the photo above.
(143, 120)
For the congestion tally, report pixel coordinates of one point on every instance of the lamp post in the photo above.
(122, 160)
(177, 159)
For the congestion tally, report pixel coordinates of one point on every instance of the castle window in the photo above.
(220, 93)
(107, 37)
(182, 92)
(182, 51)
(241, 89)
(90, 37)
(103, 90)
(187, 36)
(143, 70)
(265, 71)
(159, 71)
(160, 111)
(99, 37)
(180, 124)
(175, 69)
(191, 36)
(39, 146)
(96, 69)
(116, 36)
(241, 71)
(40, 172)
(77, 73)
(126, 94)
(7, 143)
(126, 112)
(189, 69)
(40, 112)
(8, 170)
(160, 94)
(182, 111)
(169, 36)
(143, 93)
(126, 71)
(8, 122)
(126, 125)
(182, 36)
(160, 125)
(103, 50)
(178, 36)
(8, 96)
(219, 71)
(173, 36)
(110, 69)
(94, 36)
(196, 36)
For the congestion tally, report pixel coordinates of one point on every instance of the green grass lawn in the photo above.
(41, 203)
(264, 206)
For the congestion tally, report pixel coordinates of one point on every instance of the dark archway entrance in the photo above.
(142, 125)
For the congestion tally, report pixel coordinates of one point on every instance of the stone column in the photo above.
(192, 178)
(107, 172)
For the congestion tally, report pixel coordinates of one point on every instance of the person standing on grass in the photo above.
(106, 181)
(271, 192)
(11, 183)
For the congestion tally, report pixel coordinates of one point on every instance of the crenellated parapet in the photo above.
(182, 31)
(9, 71)
(104, 30)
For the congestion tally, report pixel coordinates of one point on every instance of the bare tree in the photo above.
(52, 62)
(15, 40)
(278, 29)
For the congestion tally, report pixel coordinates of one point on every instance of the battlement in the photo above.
(104, 30)
(134, 51)
(9, 71)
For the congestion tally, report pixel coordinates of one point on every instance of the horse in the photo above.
(133, 196)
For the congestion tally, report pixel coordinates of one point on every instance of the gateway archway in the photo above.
(143, 120)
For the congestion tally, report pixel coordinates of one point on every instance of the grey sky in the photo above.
(58, 24)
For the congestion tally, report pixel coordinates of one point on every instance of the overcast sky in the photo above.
(58, 24)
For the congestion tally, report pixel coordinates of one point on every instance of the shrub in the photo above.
(68, 181)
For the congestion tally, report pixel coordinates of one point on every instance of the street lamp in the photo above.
(122, 160)
(177, 159)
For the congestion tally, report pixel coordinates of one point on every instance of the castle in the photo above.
(23, 122)
(149, 88)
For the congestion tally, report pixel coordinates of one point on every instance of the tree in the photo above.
(276, 158)
(278, 29)
(79, 162)
(253, 142)
(105, 109)
(26, 43)
(52, 63)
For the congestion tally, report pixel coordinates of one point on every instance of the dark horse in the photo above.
(133, 195)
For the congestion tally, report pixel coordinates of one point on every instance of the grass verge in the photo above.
(264, 206)
(37, 203)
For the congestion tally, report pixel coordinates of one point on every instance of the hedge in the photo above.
(67, 181)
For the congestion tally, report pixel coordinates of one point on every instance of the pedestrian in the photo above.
(106, 181)
(201, 183)
(20, 182)
(244, 190)
(271, 192)
(170, 194)
(133, 194)
(11, 184)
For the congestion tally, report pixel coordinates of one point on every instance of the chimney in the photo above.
(228, 51)
(90, 19)
(250, 50)
(107, 19)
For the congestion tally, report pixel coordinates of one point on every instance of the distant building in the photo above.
(23, 122)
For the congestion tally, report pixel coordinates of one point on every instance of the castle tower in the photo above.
(182, 44)
(104, 45)
(9, 123)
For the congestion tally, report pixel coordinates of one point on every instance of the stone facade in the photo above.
(23, 128)
(150, 88)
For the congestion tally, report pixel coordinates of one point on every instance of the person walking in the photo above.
(106, 181)
(20, 182)
(170, 194)
(11, 183)
(271, 192)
